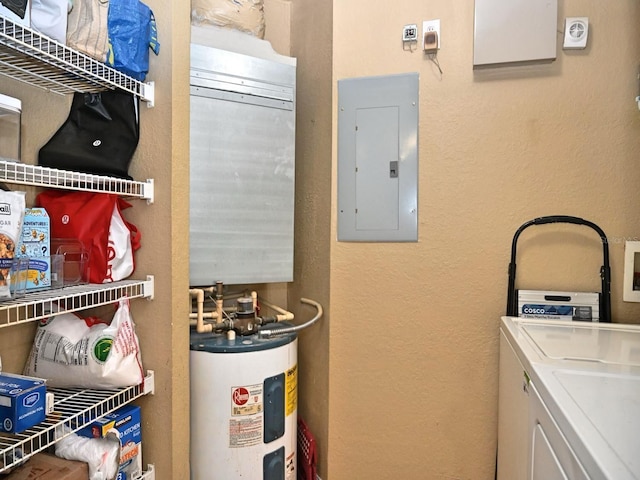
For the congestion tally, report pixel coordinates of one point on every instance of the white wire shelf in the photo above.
(36, 59)
(16, 172)
(37, 305)
(73, 409)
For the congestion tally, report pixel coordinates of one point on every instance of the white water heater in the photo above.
(244, 407)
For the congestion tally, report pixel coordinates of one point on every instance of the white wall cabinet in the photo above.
(37, 60)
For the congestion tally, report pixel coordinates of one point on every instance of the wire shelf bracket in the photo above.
(149, 474)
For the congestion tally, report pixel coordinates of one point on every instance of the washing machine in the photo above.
(569, 400)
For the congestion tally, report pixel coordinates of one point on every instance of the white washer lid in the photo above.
(595, 342)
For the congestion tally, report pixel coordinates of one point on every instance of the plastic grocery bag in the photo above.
(101, 454)
(97, 221)
(71, 351)
(132, 32)
(49, 17)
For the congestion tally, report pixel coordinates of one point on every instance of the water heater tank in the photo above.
(244, 407)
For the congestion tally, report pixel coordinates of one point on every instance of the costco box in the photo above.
(35, 244)
(22, 402)
(43, 466)
(126, 421)
(584, 306)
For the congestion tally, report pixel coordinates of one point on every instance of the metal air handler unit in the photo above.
(243, 389)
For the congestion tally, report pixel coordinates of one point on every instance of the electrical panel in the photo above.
(378, 158)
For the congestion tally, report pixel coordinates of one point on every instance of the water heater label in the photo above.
(291, 389)
(246, 400)
(245, 425)
(245, 432)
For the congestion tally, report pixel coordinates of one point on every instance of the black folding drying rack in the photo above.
(605, 270)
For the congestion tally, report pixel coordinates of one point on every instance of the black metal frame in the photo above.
(605, 269)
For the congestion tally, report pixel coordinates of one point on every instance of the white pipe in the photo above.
(284, 316)
(209, 315)
(219, 311)
(201, 327)
(254, 297)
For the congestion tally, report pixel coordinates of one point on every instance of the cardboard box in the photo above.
(22, 402)
(126, 421)
(13, 14)
(35, 244)
(552, 305)
(43, 466)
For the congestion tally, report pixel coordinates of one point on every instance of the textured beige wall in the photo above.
(277, 19)
(311, 43)
(414, 327)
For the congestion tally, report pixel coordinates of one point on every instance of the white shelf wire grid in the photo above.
(37, 305)
(16, 172)
(36, 59)
(73, 409)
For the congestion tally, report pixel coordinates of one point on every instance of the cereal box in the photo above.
(35, 244)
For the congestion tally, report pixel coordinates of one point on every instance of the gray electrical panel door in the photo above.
(242, 146)
(378, 158)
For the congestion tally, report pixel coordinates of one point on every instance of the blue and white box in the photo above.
(551, 305)
(126, 422)
(35, 244)
(23, 402)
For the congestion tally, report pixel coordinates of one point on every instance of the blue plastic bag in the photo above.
(132, 32)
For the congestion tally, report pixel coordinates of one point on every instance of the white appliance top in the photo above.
(589, 377)
(604, 343)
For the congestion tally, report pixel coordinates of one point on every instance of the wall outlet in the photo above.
(431, 35)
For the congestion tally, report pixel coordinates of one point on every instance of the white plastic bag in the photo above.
(50, 18)
(101, 454)
(120, 259)
(70, 351)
